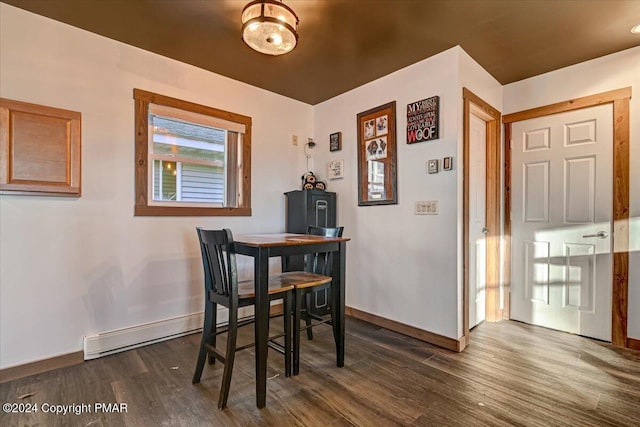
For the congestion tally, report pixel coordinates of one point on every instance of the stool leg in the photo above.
(296, 330)
(287, 333)
(229, 357)
(334, 324)
(307, 318)
(214, 323)
(207, 329)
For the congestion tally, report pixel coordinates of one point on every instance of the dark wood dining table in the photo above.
(264, 246)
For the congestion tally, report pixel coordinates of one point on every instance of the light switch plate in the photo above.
(428, 207)
(447, 163)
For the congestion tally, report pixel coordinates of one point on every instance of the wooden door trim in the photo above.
(570, 105)
(492, 183)
(620, 206)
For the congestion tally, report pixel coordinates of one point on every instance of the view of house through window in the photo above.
(191, 162)
(197, 158)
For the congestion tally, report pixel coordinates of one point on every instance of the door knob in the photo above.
(599, 234)
(485, 230)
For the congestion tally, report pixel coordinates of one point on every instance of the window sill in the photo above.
(143, 210)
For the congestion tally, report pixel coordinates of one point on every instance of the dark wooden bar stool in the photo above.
(318, 263)
(222, 287)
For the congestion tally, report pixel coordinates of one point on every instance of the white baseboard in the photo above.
(106, 343)
(111, 342)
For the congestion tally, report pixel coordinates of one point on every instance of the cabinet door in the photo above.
(322, 210)
(39, 149)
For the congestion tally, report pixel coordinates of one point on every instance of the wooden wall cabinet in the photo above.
(39, 149)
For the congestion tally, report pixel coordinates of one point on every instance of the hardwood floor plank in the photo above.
(512, 374)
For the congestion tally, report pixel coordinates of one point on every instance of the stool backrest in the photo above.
(219, 262)
(321, 263)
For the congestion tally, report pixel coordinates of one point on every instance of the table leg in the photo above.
(261, 274)
(338, 279)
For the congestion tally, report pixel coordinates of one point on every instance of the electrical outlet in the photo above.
(294, 140)
(429, 207)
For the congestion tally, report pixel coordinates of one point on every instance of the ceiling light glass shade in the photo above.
(270, 27)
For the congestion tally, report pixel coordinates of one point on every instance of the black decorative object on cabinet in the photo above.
(304, 208)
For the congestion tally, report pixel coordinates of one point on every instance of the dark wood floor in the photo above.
(512, 375)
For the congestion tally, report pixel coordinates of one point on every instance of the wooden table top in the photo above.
(284, 239)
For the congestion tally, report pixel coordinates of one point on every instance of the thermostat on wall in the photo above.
(432, 166)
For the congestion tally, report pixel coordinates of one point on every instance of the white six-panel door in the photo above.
(561, 214)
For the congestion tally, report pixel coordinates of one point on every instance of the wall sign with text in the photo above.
(423, 120)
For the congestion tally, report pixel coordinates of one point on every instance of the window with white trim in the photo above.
(191, 159)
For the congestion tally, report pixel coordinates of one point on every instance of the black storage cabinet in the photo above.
(309, 207)
(305, 208)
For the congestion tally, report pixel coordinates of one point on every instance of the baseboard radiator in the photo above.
(106, 343)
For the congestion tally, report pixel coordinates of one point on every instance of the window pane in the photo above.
(188, 140)
(199, 172)
(201, 183)
(164, 180)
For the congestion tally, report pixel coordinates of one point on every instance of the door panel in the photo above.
(536, 271)
(579, 188)
(535, 189)
(581, 276)
(477, 220)
(561, 217)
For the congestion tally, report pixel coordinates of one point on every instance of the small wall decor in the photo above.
(377, 150)
(423, 120)
(335, 169)
(335, 141)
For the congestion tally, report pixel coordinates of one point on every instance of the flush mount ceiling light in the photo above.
(636, 29)
(270, 27)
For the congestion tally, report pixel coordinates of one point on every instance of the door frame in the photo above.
(620, 202)
(491, 116)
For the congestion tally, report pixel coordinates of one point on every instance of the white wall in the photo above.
(71, 267)
(402, 266)
(610, 72)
